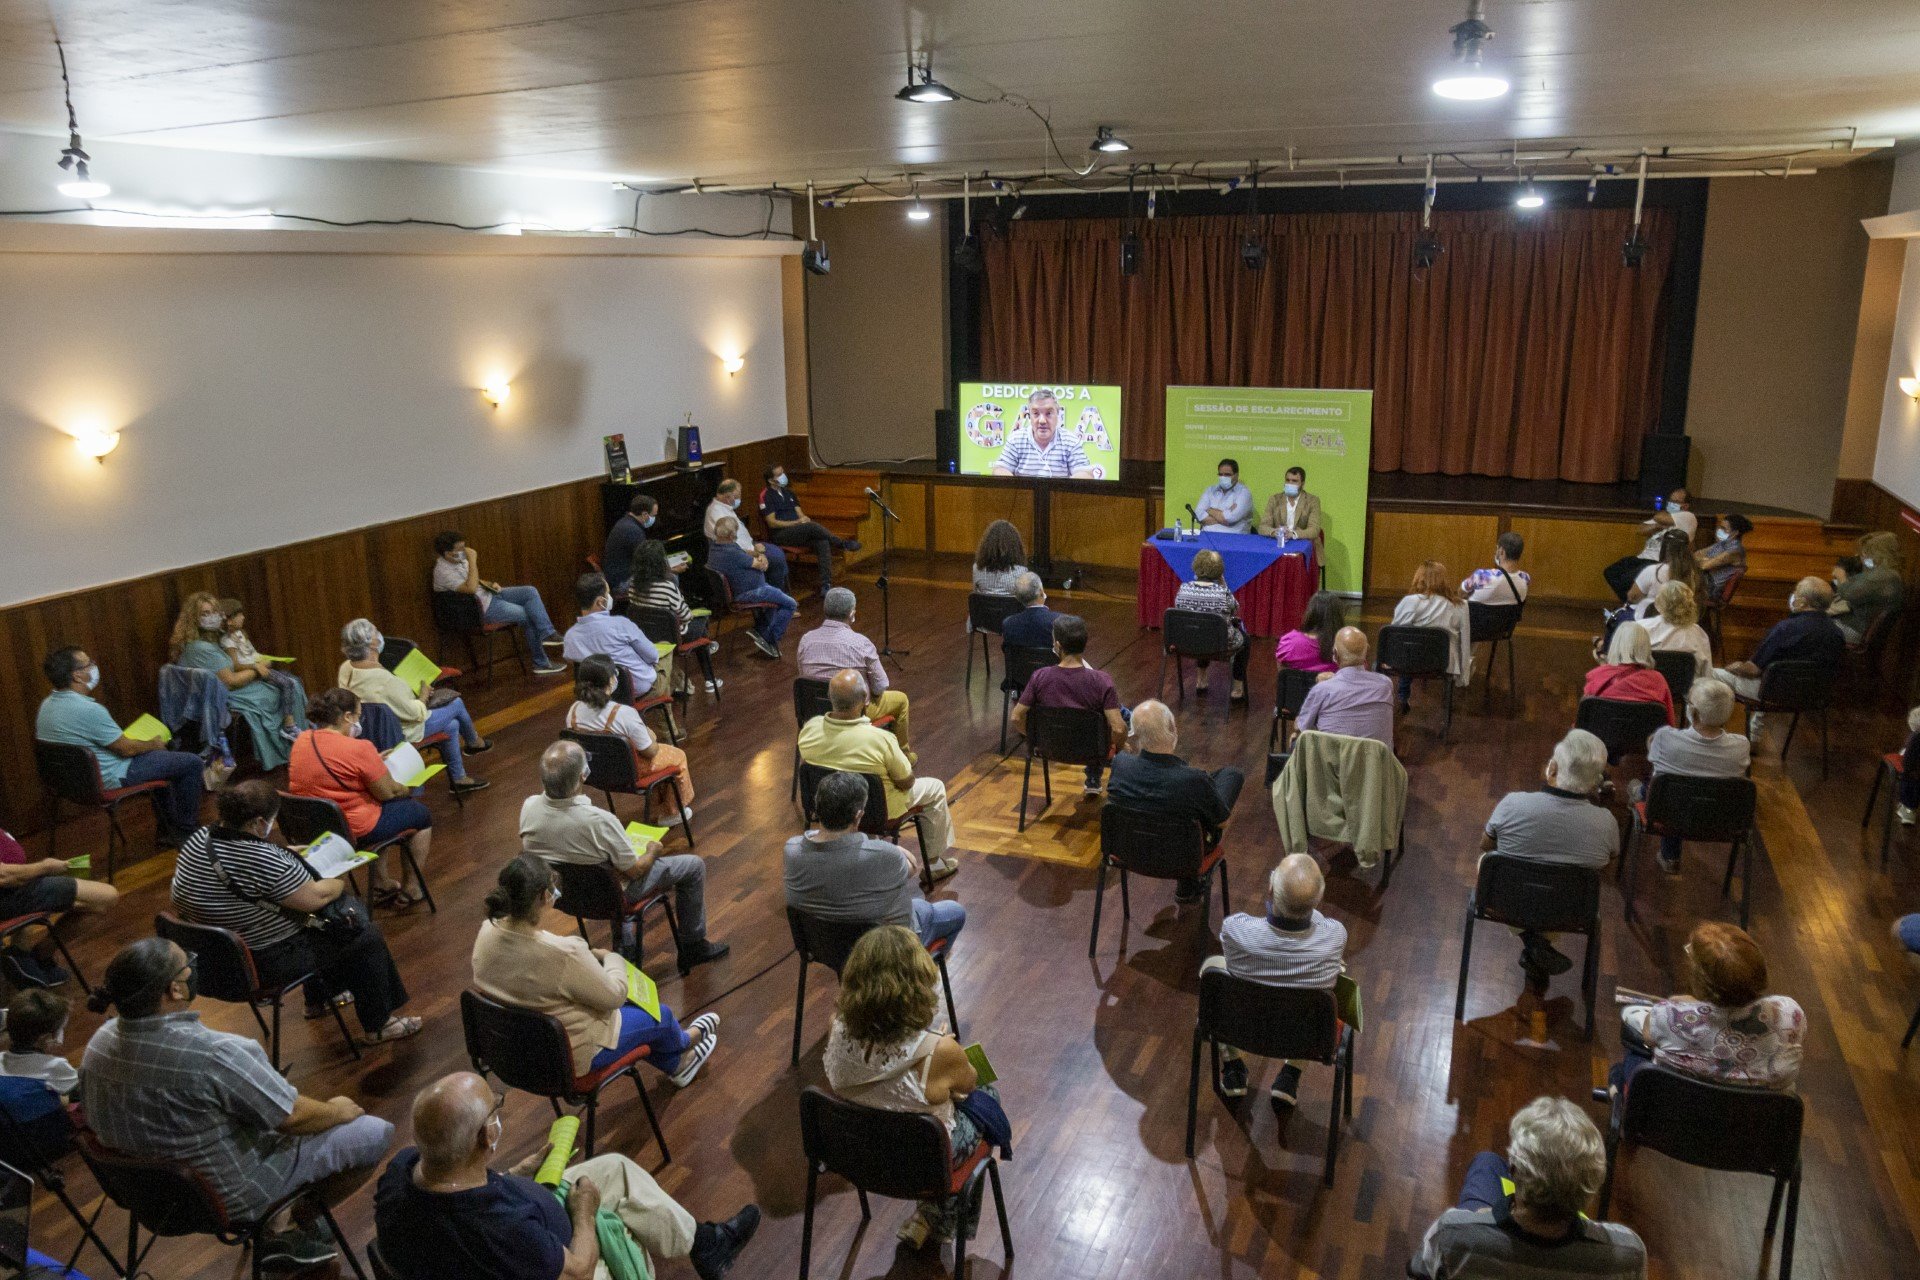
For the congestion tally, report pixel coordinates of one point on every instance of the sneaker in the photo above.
(686, 814)
(1755, 721)
(1233, 1078)
(464, 785)
(691, 1060)
(716, 1244)
(550, 669)
(941, 869)
(1092, 787)
(915, 1231)
(297, 1248)
(1903, 813)
(480, 747)
(1286, 1088)
(1669, 865)
(764, 645)
(555, 641)
(24, 970)
(695, 954)
(850, 544)
(715, 685)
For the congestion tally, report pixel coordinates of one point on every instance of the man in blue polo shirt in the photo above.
(601, 630)
(788, 526)
(1806, 634)
(70, 715)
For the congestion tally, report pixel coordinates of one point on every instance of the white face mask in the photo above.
(780, 480)
(1226, 482)
(1720, 535)
(210, 621)
(1291, 489)
(734, 503)
(1866, 564)
(91, 678)
(353, 730)
(647, 523)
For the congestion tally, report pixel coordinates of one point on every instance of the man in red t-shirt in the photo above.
(1074, 684)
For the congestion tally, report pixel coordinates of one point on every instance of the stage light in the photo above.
(1529, 198)
(1129, 254)
(969, 256)
(1909, 387)
(1471, 82)
(83, 186)
(1103, 140)
(814, 255)
(95, 442)
(497, 392)
(1253, 254)
(1427, 250)
(925, 88)
(1633, 249)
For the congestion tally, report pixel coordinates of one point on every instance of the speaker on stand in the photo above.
(1663, 465)
(946, 439)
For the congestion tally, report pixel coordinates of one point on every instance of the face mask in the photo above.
(353, 729)
(1720, 535)
(92, 677)
(1226, 482)
(210, 621)
(734, 503)
(586, 771)
(781, 481)
(193, 982)
(1291, 489)
(647, 523)
(604, 602)
(460, 558)
(267, 834)
(1866, 564)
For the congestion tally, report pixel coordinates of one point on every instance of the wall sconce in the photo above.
(96, 442)
(1910, 387)
(497, 392)
(733, 364)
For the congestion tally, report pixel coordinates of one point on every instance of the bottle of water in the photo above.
(1178, 532)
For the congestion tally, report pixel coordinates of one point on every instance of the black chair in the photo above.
(1715, 603)
(1273, 1022)
(1191, 633)
(1019, 662)
(1868, 648)
(809, 700)
(72, 773)
(1714, 1126)
(1795, 688)
(224, 964)
(305, 819)
(380, 726)
(382, 1269)
(873, 819)
(1623, 726)
(528, 1050)
(1704, 810)
(1289, 692)
(985, 613)
(37, 1147)
(1493, 625)
(9, 929)
(169, 1199)
(830, 942)
(595, 891)
(720, 592)
(1543, 896)
(458, 613)
(1892, 768)
(1159, 847)
(660, 625)
(1419, 653)
(394, 651)
(613, 768)
(903, 1155)
(1062, 735)
(1278, 764)
(1678, 666)
(623, 691)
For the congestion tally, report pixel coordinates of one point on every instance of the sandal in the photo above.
(410, 897)
(387, 895)
(396, 1029)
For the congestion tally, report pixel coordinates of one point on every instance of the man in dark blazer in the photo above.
(1157, 781)
(1031, 626)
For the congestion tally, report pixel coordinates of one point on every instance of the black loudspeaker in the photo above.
(1663, 465)
(946, 438)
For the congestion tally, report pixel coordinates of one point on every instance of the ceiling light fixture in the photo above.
(95, 441)
(1529, 197)
(919, 212)
(925, 88)
(1469, 81)
(74, 157)
(497, 392)
(1103, 140)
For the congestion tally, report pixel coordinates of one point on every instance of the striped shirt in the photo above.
(256, 868)
(664, 594)
(1058, 461)
(1203, 596)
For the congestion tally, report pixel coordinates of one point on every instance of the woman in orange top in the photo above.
(1627, 673)
(331, 761)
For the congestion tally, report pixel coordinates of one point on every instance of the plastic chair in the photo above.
(1892, 767)
(660, 625)
(595, 891)
(1159, 847)
(1678, 666)
(1419, 653)
(1546, 897)
(1704, 810)
(1493, 625)
(1623, 726)
(305, 819)
(170, 1199)
(529, 1051)
(1289, 692)
(612, 767)
(1795, 688)
(1713, 1126)
(1062, 735)
(985, 613)
(72, 773)
(1019, 663)
(873, 819)
(1273, 1022)
(458, 613)
(903, 1155)
(224, 963)
(830, 942)
(1191, 633)
(37, 1146)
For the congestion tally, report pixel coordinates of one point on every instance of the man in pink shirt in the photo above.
(1353, 700)
(835, 646)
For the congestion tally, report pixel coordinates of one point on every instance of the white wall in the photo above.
(1896, 460)
(277, 386)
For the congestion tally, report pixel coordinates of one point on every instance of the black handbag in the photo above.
(339, 924)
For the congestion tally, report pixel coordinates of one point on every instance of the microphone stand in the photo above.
(887, 521)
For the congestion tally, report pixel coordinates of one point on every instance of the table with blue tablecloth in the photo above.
(1272, 582)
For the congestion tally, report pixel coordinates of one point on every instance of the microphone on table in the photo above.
(1194, 514)
(876, 500)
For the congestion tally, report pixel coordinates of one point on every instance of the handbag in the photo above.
(339, 923)
(437, 698)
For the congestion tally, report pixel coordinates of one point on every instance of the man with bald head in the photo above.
(1290, 945)
(847, 740)
(441, 1212)
(562, 824)
(750, 582)
(1806, 634)
(1156, 780)
(1352, 700)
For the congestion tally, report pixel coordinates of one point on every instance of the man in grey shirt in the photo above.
(1702, 750)
(1292, 945)
(1559, 824)
(836, 873)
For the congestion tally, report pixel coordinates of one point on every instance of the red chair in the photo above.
(662, 627)
(873, 819)
(612, 767)
(305, 819)
(224, 963)
(1154, 845)
(457, 613)
(595, 891)
(830, 942)
(720, 592)
(8, 928)
(72, 773)
(1716, 604)
(1892, 769)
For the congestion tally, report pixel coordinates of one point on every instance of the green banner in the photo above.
(1266, 430)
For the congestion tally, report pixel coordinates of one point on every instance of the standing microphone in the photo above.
(1194, 514)
(878, 502)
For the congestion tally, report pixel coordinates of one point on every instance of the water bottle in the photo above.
(1178, 532)
(1659, 503)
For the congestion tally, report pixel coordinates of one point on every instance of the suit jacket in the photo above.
(1159, 783)
(1306, 517)
(1028, 628)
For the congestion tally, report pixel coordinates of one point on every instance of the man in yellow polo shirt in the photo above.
(845, 739)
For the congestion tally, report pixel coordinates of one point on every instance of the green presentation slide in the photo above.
(1267, 430)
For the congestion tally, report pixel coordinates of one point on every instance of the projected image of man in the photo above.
(1044, 453)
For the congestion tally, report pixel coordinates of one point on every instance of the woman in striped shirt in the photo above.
(1208, 593)
(654, 588)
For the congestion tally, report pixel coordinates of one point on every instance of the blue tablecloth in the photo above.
(1244, 554)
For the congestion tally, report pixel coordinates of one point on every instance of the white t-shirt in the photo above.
(1648, 583)
(718, 511)
(1683, 520)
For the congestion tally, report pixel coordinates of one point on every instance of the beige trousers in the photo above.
(654, 1219)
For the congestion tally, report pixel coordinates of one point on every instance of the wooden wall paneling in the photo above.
(1098, 528)
(1564, 557)
(962, 512)
(908, 498)
(1402, 539)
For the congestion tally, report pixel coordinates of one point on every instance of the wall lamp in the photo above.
(733, 364)
(96, 442)
(1910, 387)
(497, 392)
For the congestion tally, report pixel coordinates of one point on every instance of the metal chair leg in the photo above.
(1100, 896)
(799, 1010)
(1333, 1119)
(652, 1120)
(1026, 784)
(1000, 1207)
(806, 1222)
(1466, 958)
(1193, 1091)
(946, 983)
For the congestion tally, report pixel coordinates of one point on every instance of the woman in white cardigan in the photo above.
(1433, 601)
(1675, 624)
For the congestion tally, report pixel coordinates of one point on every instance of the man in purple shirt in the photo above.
(835, 646)
(600, 630)
(1073, 683)
(1352, 700)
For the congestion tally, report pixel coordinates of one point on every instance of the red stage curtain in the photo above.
(1528, 350)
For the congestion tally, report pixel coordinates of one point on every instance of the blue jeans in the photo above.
(664, 1037)
(1482, 1189)
(936, 920)
(178, 807)
(523, 607)
(397, 815)
(776, 565)
(454, 721)
(772, 623)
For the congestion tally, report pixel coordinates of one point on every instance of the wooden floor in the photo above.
(1093, 1054)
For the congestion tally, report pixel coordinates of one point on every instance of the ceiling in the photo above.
(759, 90)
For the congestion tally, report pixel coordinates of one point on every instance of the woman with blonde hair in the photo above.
(1862, 599)
(1675, 625)
(1434, 601)
(1728, 1030)
(884, 1053)
(1626, 672)
(1208, 593)
(197, 635)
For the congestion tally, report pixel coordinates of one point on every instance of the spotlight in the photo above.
(1427, 250)
(1130, 254)
(925, 88)
(74, 157)
(919, 212)
(82, 186)
(1103, 140)
(814, 257)
(1471, 82)
(1253, 254)
(1529, 198)
(1633, 249)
